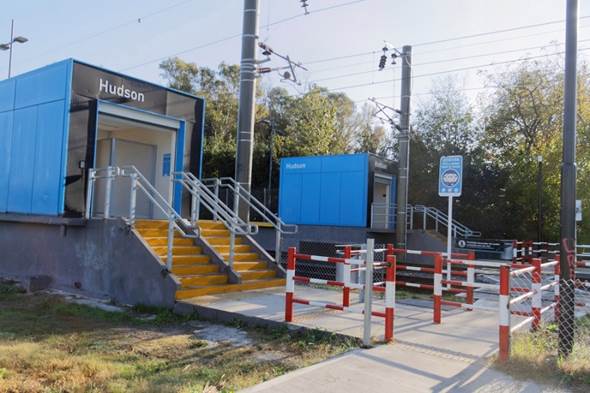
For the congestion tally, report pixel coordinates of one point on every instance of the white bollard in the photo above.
(368, 293)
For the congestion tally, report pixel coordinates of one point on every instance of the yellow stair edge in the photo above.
(186, 293)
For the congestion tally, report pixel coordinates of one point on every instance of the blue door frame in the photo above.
(178, 150)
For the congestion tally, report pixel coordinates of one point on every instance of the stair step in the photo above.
(187, 259)
(180, 250)
(245, 266)
(223, 249)
(194, 291)
(151, 224)
(242, 256)
(257, 274)
(211, 224)
(163, 241)
(222, 241)
(183, 270)
(206, 232)
(203, 279)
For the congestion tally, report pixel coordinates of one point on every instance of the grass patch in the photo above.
(49, 345)
(534, 355)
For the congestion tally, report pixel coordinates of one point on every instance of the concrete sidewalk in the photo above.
(453, 356)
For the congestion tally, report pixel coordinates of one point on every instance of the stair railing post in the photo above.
(278, 244)
(90, 193)
(232, 245)
(424, 219)
(194, 207)
(132, 199)
(109, 186)
(216, 188)
(170, 239)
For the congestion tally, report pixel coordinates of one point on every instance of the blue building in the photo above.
(58, 121)
(337, 190)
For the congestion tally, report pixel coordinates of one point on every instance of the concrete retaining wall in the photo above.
(100, 257)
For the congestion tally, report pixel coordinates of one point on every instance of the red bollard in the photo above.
(347, 278)
(437, 298)
(504, 313)
(290, 285)
(470, 278)
(389, 297)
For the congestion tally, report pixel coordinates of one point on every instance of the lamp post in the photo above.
(539, 198)
(8, 46)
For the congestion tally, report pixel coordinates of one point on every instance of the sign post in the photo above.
(450, 184)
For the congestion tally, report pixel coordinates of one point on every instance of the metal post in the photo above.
(449, 239)
(90, 193)
(424, 220)
(10, 51)
(540, 198)
(170, 240)
(215, 215)
(270, 153)
(132, 199)
(232, 246)
(109, 186)
(194, 209)
(368, 292)
(504, 313)
(568, 183)
(246, 110)
(278, 245)
(404, 149)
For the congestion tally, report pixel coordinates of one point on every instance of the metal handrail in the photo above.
(435, 214)
(138, 180)
(242, 194)
(202, 195)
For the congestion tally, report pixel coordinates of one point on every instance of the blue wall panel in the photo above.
(43, 85)
(6, 138)
(22, 165)
(7, 94)
(324, 190)
(33, 131)
(48, 179)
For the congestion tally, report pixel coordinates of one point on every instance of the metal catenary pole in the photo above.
(246, 111)
(404, 149)
(568, 183)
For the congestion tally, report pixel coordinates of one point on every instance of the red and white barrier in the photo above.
(504, 313)
(346, 285)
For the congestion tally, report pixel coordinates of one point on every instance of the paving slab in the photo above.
(453, 356)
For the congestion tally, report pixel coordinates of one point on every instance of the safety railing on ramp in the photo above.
(137, 182)
(240, 195)
(383, 216)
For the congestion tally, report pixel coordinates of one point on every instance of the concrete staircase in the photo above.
(197, 274)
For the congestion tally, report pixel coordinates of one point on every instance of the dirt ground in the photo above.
(49, 344)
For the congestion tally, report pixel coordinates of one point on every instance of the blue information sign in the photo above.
(450, 176)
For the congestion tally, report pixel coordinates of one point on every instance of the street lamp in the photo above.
(8, 46)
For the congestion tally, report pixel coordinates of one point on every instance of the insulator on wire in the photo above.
(382, 62)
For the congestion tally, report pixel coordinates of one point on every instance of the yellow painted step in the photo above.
(211, 224)
(205, 232)
(187, 259)
(189, 292)
(153, 224)
(242, 256)
(244, 266)
(257, 274)
(182, 270)
(223, 241)
(180, 250)
(222, 249)
(163, 241)
(201, 280)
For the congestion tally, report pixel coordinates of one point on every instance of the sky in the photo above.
(339, 41)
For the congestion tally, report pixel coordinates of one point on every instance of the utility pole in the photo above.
(539, 198)
(8, 46)
(568, 185)
(246, 110)
(404, 148)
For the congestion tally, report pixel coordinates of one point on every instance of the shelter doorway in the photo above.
(382, 202)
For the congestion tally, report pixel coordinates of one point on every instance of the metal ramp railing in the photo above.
(383, 216)
(137, 182)
(201, 195)
(241, 195)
